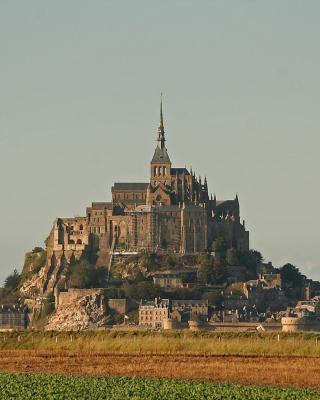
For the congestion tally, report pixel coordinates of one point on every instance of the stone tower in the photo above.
(160, 170)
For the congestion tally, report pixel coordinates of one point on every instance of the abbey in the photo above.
(172, 212)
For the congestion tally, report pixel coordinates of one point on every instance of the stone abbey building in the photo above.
(171, 212)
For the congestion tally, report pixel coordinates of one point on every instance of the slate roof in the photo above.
(160, 155)
(189, 302)
(179, 171)
(99, 205)
(224, 206)
(130, 186)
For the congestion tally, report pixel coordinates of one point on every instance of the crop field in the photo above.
(247, 358)
(56, 387)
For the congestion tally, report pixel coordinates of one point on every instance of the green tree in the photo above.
(12, 281)
(250, 259)
(171, 261)
(291, 277)
(205, 273)
(84, 275)
(219, 269)
(141, 290)
(214, 298)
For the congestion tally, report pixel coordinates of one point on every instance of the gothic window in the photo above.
(79, 241)
(164, 171)
(81, 227)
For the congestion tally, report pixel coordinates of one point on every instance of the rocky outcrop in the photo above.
(86, 312)
(32, 287)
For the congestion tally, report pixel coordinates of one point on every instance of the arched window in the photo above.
(81, 227)
(164, 171)
(159, 171)
(79, 241)
(155, 171)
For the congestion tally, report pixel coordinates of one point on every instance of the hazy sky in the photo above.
(80, 83)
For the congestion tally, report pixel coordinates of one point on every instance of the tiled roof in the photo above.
(160, 155)
(127, 186)
(179, 171)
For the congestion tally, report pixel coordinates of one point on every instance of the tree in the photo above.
(291, 277)
(204, 273)
(171, 261)
(12, 281)
(141, 290)
(219, 269)
(250, 259)
(214, 298)
(84, 275)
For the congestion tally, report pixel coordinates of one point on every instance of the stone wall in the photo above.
(119, 305)
(69, 297)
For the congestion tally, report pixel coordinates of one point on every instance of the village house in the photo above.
(167, 280)
(152, 313)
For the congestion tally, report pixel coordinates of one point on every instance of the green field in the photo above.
(241, 343)
(58, 387)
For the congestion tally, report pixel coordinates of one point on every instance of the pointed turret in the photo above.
(160, 163)
(161, 137)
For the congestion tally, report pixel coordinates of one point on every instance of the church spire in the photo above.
(161, 138)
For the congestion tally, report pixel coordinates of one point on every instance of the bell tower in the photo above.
(160, 163)
(159, 190)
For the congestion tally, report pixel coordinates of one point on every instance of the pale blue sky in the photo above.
(79, 105)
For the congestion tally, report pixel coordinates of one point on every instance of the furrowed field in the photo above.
(56, 387)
